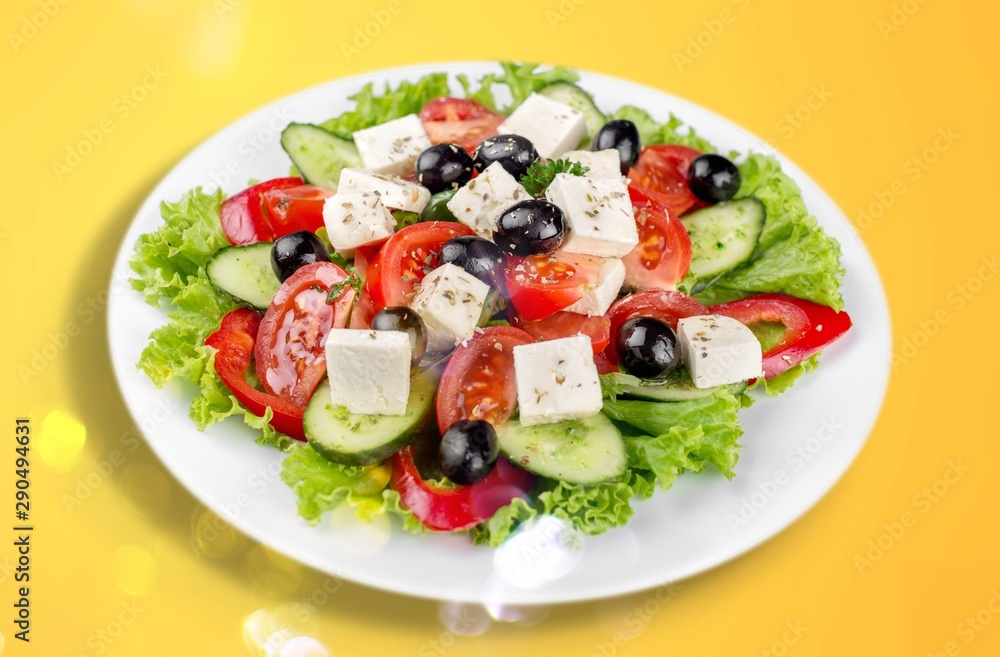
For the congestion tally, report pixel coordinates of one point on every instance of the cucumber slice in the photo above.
(355, 439)
(724, 235)
(675, 391)
(572, 95)
(319, 155)
(245, 273)
(584, 451)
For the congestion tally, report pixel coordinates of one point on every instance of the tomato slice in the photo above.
(363, 312)
(454, 508)
(290, 355)
(565, 324)
(243, 218)
(365, 254)
(662, 257)
(541, 285)
(459, 121)
(666, 305)
(295, 208)
(661, 173)
(478, 381)
(604, 364)
(234, 342)
(404, 260)
(809, 327)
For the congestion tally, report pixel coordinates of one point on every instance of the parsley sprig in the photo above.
(539, 175)
(353, 278)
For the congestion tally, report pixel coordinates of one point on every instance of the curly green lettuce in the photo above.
(170, 266)
(521, 80)
(320, 485)
(371, 108)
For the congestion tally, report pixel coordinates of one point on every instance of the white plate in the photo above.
(702, 522)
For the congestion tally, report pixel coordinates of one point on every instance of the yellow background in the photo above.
(887, 90)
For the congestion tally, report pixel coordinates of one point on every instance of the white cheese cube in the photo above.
(718, 350)
(369, 371)
(396, 193)
(483, 199)
(393, 146)
(597, 212)
(601, 164)
(356, 218)
(599, 296)
(556, 380)
(450, 301)
(551, 126)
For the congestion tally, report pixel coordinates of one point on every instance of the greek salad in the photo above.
(465, 312)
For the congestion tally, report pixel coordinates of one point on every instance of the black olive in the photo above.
(713, 178)
(531, 226)
(476, 255)
(513, 152)
(622, 135)
(443, 166)
(399, 318)
(647, 347)
(468, 451)
(294, 250)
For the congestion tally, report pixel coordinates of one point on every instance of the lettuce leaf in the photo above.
(794, 255)
(652, 131)
(679, 436)
(170, 263)
(520, 79)
(591, 509)
(372, 108)
(321, 485)
(779, 384)
(169, 257)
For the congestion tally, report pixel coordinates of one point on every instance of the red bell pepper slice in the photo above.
(809, 327)
(234, 344)
(243, 216)
(459, 507)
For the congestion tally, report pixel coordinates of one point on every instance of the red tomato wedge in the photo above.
(661, 174)
(459, 121)
(541, 285)
(565, 324)
(404, 260)
(295, 208)
(809, 327)
(453, 508)
(662, 257)
(666, 305)
(290, 355)
(243, 217)
(478, 381)
(234, 342)
(363, 312)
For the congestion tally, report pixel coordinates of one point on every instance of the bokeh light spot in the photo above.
(61, 441)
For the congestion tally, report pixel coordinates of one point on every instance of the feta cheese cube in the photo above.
(356, 218)
(556, 380)
(718, 350)
(450, 301)
(601, 164)
(551, 126)
(483, 199)
(369, 371)
(396, 193)
(598, 213)
(599, 296)
(393, 146)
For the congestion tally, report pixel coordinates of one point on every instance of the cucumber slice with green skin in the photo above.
(724, 235)
(356, 439)
(586, 451)
(572, 95)
(245, 273)
(319, 155)
(676, 391)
